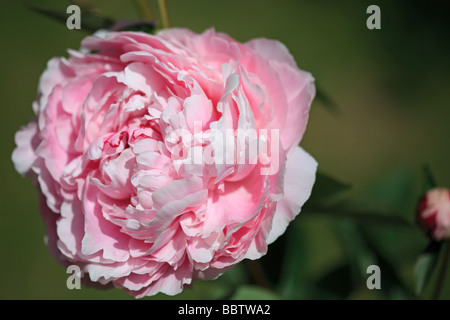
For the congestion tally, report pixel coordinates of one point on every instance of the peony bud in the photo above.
(433, 213)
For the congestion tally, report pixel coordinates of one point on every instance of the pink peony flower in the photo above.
(141, 148)
(434, 213)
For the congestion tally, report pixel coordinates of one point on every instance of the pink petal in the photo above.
(298, 182)
(27, 141)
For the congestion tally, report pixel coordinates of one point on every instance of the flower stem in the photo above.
(441, 276)
(83, 4)
(164, 12)
(257, 273)
(144, 9)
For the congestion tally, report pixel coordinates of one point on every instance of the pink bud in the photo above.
(433, 213)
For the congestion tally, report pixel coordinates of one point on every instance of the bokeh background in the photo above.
(390, 115)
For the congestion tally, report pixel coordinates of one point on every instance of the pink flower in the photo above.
(117, 125)
(434, 213)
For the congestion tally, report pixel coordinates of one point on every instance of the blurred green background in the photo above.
(391, 88)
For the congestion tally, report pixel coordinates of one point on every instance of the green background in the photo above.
(392, 96)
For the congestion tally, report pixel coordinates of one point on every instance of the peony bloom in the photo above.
(145, 154)
(434, 213)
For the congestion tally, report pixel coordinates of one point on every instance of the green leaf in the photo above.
(293, 274)
(359, 255)
(362, 252)
(399, 190)
(428, 180)
(249, 292)
(327, 186)
(146, 27)
(390, 201)
(426, 264)
(392, 285)
(362, 210)
(90, 21)
(325, 99)
(335, 284)
(326, 189)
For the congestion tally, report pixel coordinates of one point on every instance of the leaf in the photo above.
(141, 27)
(364, 252)
(325, 99)
(399, 190)
(249, 292)
(293, 275)
(426, 264)
(392, 284)
(362, 210)
(135, 25)
(90, 21)
(328, 186)
(428, 180)
(357, 250)
(325, 190)
(336, 284)
(390, 201)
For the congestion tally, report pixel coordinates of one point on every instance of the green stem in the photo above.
(144, 9)
(83, 4)
(257, 273)
(164, 12)
(441, 276)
